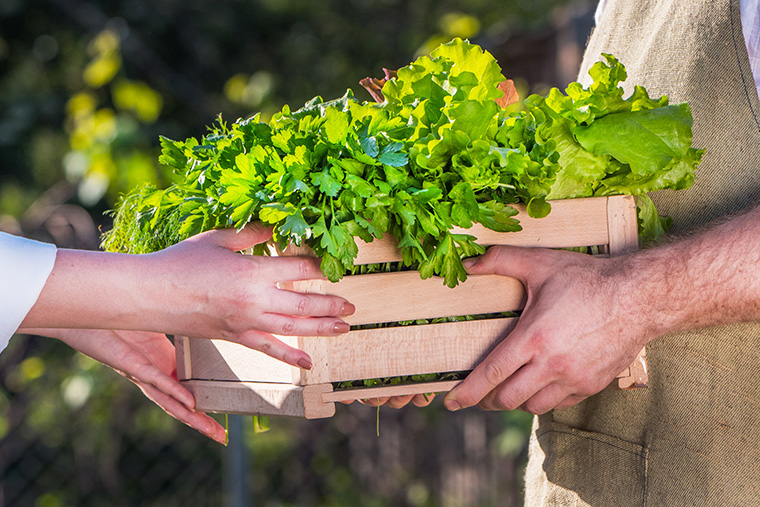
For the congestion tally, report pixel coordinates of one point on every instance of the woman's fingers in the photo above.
(285, 302)
(197, 420)
(271, 346)
(418, 400)
(147, 373)
(290, 268)
(301, 326)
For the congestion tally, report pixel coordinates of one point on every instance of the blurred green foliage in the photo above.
(86, 88)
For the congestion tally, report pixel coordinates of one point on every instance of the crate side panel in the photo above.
(571, 223)
(401, 296)
(405, 350)
(228, 361)
(246, 398)
(261, 398)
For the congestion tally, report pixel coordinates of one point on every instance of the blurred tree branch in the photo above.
(89, 15)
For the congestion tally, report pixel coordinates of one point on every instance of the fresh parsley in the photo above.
(437, 149)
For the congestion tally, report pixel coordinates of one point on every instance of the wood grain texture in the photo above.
(402, 296)
(381, 392)
(184, 360)
(622, 223)
(260, 398)
(368, 353)
(407, 350)
(572, 222)
(228, 361)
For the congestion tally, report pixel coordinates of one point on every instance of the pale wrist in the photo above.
(88, 289)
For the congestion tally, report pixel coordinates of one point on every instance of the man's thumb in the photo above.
(509, 261)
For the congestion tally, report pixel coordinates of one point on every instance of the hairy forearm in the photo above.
(706, 279)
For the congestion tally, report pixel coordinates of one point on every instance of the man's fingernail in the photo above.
(347, 309)
(304, 363)
(470, 262)
(452, 405)
(341, 328)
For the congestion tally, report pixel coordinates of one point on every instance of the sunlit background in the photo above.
(86, 88)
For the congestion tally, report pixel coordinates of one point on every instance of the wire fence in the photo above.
(74, 433)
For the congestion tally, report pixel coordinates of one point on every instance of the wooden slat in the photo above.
(623, 225)
(184, 359)
(571, 223)
(228, 361)
(317, 401)
(259, 398)
(368, 353)
(401, 296)
(631, 377)
(387, 391)
(407, 350)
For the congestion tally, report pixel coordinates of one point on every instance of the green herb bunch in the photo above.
(436, 151)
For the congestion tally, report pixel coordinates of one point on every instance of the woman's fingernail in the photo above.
(470, 262)
(187, 402)
(341, 328)
(304, 363)
(214, 435)
(347, 309)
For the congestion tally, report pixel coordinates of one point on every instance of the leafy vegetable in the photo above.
(436, 149)
(260, 424)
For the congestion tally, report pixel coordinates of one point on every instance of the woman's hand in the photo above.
(148, 360)
(201, 287)
(222, 294)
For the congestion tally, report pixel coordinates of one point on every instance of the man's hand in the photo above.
(586, 317)
(148, 360)
(418, 400)
(578, 330)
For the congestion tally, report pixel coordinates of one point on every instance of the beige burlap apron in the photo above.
(692, 437)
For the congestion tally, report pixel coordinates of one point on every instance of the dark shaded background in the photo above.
(86, 87)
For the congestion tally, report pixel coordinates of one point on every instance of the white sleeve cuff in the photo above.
(24, 268)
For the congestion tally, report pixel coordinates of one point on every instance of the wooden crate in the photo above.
(229, 378)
